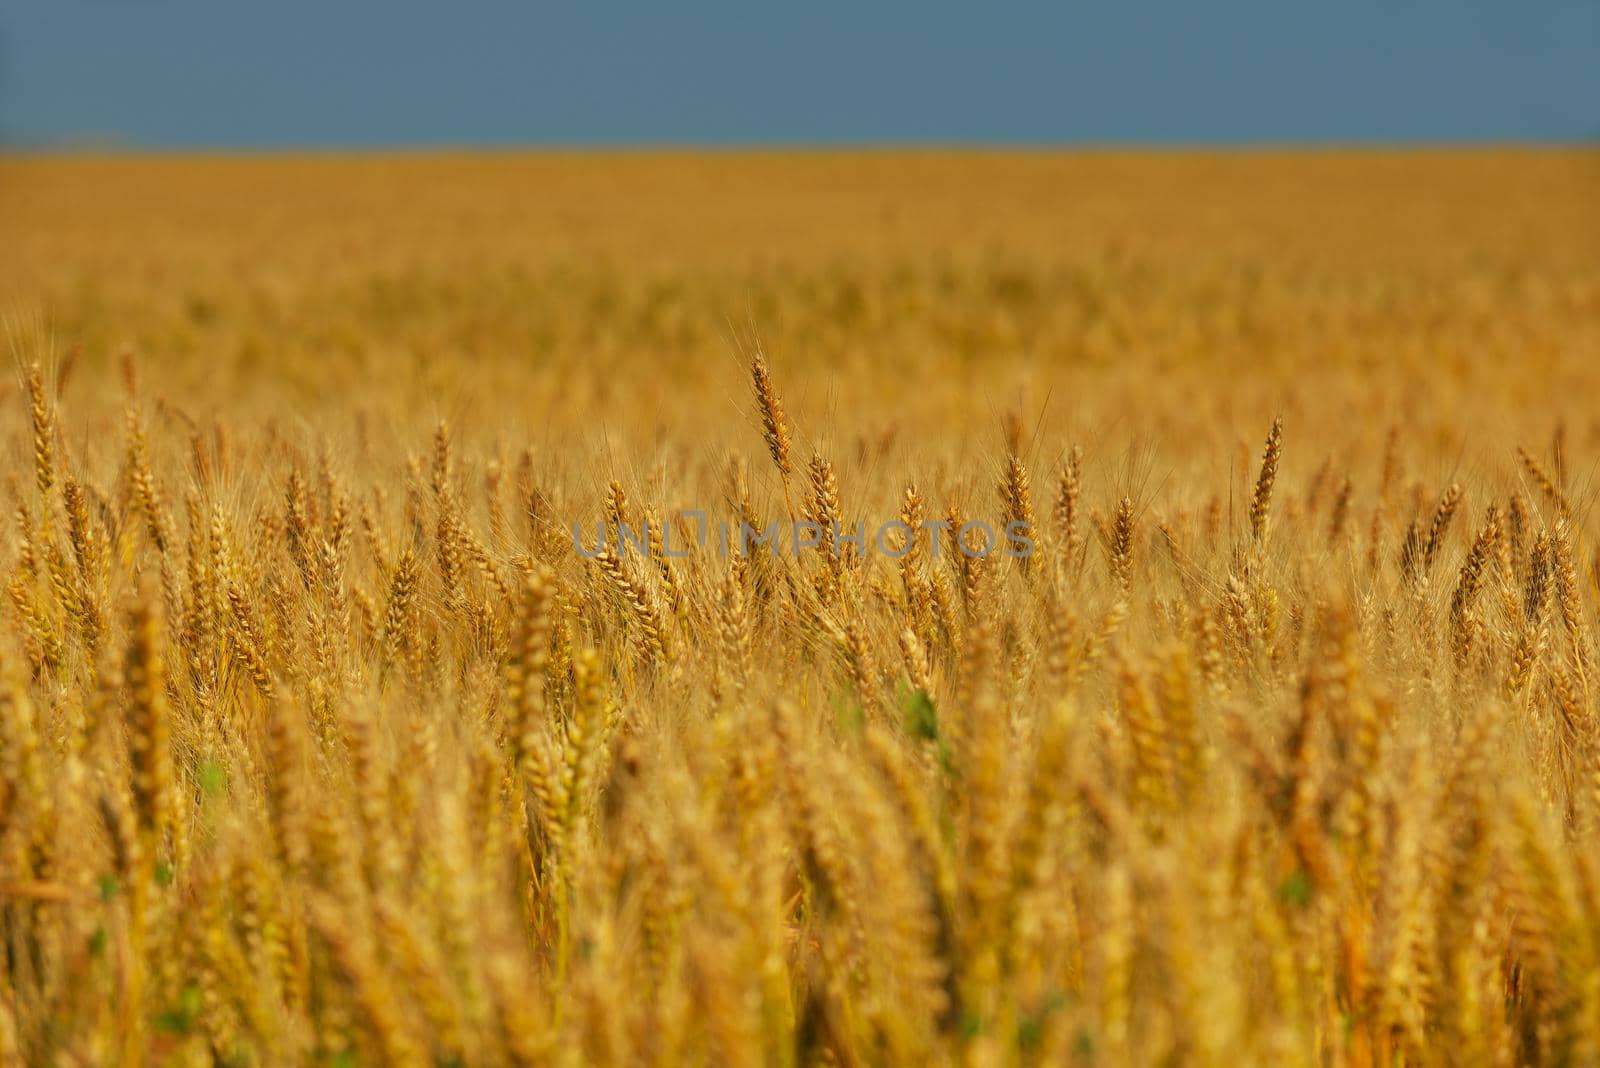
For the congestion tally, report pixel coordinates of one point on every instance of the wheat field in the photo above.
(323, 740)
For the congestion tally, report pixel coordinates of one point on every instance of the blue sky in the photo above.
(254, 74)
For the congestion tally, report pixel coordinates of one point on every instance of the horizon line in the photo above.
(112, 147)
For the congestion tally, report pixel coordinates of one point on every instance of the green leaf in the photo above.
(1296, 889)
(921, 716)
(180, 1019)
(213, 778)
(848, 714)
(1030, 1029)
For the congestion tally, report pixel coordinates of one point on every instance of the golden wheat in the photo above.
(324, 739)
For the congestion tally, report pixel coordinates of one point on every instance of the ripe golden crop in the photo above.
(321, 741)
